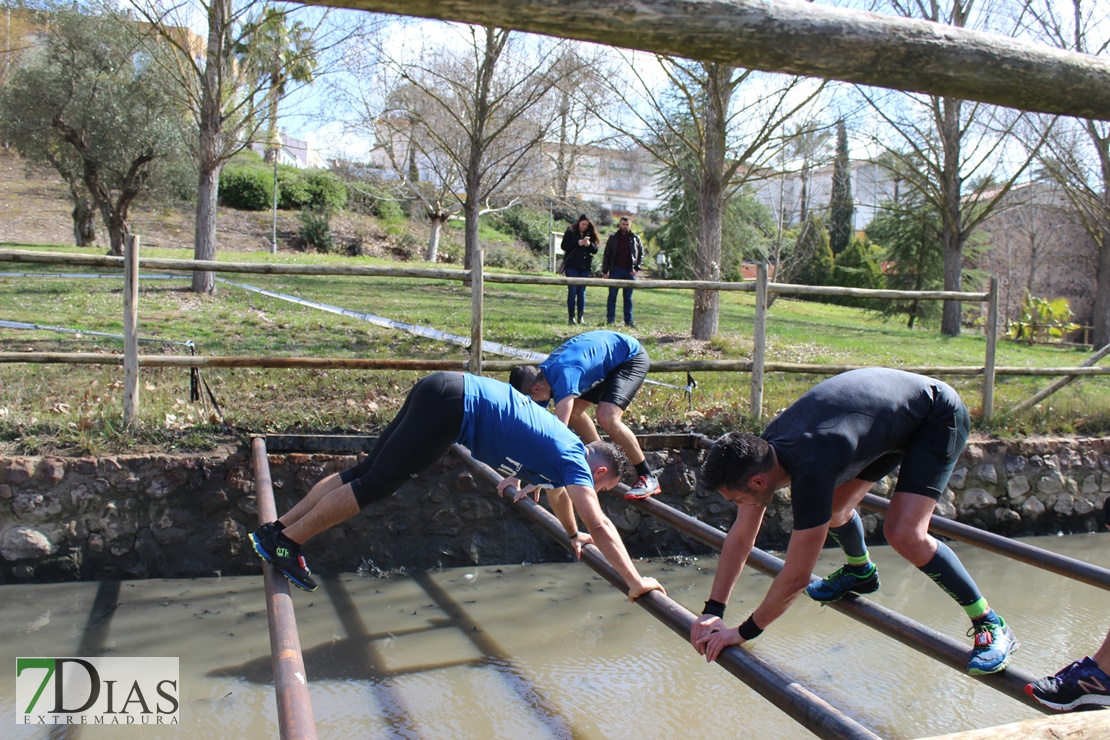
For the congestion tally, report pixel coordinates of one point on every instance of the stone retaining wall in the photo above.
(188, 516)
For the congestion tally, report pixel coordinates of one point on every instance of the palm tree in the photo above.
(282, 52)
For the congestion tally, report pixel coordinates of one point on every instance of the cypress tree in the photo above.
(840, 205)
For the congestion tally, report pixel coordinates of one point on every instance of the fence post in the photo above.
(992, 345)
(476, 312)
(130, 330)
(759, 340)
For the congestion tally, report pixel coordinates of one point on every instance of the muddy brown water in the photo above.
(547, 651)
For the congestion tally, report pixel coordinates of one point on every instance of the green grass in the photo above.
(77, 409)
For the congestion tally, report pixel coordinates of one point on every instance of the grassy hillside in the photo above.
(48, 407)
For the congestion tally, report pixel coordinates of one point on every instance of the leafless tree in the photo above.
(715, 126)
(962, 157)
(459, 119)
(228, 83)
(1078, 150)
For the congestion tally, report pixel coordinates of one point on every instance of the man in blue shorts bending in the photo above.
(500, 427)
(830, 447)
(605, 368)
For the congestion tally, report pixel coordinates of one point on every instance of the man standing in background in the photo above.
(624, 254)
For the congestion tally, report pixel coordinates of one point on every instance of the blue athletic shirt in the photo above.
(505, 430)
(584, 361)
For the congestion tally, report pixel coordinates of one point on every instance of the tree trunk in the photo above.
(707, 264)
(84, 221)
(952, 236)
(204, 241)
(815, 40)
(211, 142)
(1101, 317)
(438, 221)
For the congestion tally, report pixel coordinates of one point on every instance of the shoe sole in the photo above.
(846, 594)
(1002, 666)
(258, 549)
(641, 496)
(1087, 701)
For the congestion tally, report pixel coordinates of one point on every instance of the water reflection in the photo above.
(543, 651)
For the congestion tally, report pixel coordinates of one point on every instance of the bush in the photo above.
(295, 190)
(326, 191)
(530, 226)
(511, 259)
(246, 188)
(316, 230)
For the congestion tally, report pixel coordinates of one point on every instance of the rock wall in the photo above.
(188, 516)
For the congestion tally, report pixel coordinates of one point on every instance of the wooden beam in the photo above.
(1076, 726)
(806, 39)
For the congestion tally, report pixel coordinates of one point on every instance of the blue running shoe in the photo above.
(843, 582)
(995, 644)
(284, 554)
(1081, 684)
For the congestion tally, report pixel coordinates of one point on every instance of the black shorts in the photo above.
(929, 456)
(621, 384)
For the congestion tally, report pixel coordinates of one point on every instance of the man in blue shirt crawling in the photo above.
(500, 427)
(605, 368)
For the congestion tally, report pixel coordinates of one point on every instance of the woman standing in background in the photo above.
(579, 247)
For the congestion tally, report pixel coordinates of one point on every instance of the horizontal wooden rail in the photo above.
(295, 717)
(800, 704)
(432, 273)
(664, 366)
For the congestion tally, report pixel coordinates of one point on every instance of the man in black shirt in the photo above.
(624, 254)
(830, 447)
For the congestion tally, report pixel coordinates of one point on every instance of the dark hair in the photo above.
(615, 458)
(734, 458)
(523, 377)
(590, 231)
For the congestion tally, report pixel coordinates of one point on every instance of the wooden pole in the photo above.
(551, 239)
(295, 718)
(807, 39)
(925, 640)
(759, 342)
(1050, 561)
(131, 331)
(992, 345)
(476, 290)
(1046, 392)
(803, 706)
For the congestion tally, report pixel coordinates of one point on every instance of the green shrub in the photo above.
(246, 188)
(529, 225)
(295, 191)
(511, 259)
(316, 230)
(326, 191)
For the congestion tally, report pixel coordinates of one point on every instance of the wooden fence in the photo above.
(477, 277)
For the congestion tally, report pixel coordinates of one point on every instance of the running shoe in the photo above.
(995, 644)
(646, 485)
(1081, 684)
(843, 582)
(284, 554)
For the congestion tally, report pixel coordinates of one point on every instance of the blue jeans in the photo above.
(576, 294)
(619, 273)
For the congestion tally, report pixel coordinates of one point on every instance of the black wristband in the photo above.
(716, 608)
(749, 630)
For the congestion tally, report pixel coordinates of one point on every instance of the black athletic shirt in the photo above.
(843, 424)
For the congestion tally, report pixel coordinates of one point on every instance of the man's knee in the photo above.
(609, 414)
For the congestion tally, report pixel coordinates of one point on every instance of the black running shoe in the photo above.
(284, 554)
(841, 583)
(1081, 684)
